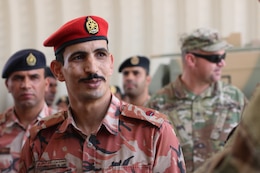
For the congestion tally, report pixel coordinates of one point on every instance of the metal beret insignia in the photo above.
(92, 26)
(31, 60)
(134, 60)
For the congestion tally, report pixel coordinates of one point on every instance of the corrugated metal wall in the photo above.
(148, 27)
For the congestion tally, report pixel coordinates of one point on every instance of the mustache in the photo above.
(92, 76)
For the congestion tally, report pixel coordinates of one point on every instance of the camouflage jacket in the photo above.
(242, 152)
(12, 136)
(202, 122)
(130, 139)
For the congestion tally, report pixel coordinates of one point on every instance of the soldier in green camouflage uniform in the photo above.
(202, 109)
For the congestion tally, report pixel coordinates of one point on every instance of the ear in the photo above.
(148, 79)
(47, 83)
(56, 68)
(190, 59)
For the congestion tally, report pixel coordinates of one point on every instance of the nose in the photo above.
(222, 63)
(90, 65)
(26, 83)
(53, 89)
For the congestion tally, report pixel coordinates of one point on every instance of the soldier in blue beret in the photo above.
(136, 80)
(25, 80)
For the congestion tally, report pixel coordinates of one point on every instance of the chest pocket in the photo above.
(8, 161)
(49, 166)
(135, 169)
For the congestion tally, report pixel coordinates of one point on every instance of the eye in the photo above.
(17, 78)
(77, 57)
(101, 54)
(136, 73)
(125, 73)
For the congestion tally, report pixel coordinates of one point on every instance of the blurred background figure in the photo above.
(202, 108)
(136, 80)
(25, 80)
(116, 91)
(62, 103)
(52, 89)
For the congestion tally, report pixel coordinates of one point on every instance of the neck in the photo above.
(89, 115)
(27, 115)
(194, 85)
(139, 100)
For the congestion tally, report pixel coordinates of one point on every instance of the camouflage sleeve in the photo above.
(26, 159)
(168, 154)
(156, 101)
(240, 155)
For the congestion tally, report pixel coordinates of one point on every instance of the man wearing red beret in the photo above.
(98, 133)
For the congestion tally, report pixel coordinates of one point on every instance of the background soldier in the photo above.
(202, 109)
(136, 80)
(25, 80)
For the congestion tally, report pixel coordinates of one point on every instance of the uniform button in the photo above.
(90, 144)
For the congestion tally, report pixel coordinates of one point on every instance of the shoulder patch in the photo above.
(47, 122)
(142, 113)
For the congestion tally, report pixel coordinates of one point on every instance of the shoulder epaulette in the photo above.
(146, 114)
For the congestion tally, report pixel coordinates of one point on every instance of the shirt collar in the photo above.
(12, 119)
(183, 92)
(110, 121)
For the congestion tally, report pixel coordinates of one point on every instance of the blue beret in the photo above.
(23, 60)
(134, 61)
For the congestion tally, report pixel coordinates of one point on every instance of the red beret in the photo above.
(82, 29)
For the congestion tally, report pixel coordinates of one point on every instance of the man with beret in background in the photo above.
(136, 80)
(202, 108)
(51, 91)
(25, 80)
(98, 133)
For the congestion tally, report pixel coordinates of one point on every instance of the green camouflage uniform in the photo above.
(242, 153)
(201, 122)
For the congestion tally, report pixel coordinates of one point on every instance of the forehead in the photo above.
(135, 68)
(27, 72)
(86, 46)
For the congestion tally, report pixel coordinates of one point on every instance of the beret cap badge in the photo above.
(31, 60)
(134, 60)
(92, 26)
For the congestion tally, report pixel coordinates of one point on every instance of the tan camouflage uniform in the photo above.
(242, 153)
(12, 137)
(202, 122)
(130, 139)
